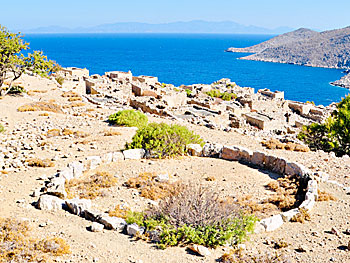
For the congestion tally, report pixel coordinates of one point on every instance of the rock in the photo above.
(259, 228)
(50, 202)
(134, 154)
(78, 169)
(212, 150)
(162, 178)
(66, 173)
(288, 215)
(154, 235)
(231, 153)
(91, 215)
(96, 227)
(258, 159)
(93, 162)
(349, 246)
(335, 231)
(78, 206)
(117, 156)
(107, 158)
(201, 250)
(280, 166)
(134, 229)
(272, 223)
(195, 149)
(111, 222)
(56, 187)
(309, 202)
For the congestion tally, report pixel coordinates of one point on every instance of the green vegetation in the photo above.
(334, 134)
(13, 63)
(215, 93)
(188, 92)
(195, 215)
(128, 118)
(162, 140)
(2, 129)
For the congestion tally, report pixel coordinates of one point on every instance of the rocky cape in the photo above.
(305, 47)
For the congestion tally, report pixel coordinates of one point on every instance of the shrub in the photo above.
(17, 244)
(128, 118)
(302, 216)
(162, 140)
(111, 133)
(188, 92)
(90, 186)
(240, 256)
(15, 90)
(334, 134)
(2, 129)
(35, 162)
(41, 106)
(60, 80)
(215, 93)
(196, 215)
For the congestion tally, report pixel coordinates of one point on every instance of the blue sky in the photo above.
(316, 14)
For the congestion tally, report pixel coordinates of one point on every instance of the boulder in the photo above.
(231, 153)
(78, 206)
(201, 250)
(107, 158)
(134, 154)
(117, 156)
(66, 173)
(96, 227)
(194, 149)
(134, 229)
(78, 169)
(288, 215)
(50, 202)
(162, 178)
(111, 222)
(258, 159)
(272, 223)
(213, 150)
(93, 162)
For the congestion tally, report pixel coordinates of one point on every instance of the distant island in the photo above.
(196, 26)
(328, 49)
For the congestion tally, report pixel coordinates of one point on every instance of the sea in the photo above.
(189, 59)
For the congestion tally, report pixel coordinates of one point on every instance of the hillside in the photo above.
(329, 49)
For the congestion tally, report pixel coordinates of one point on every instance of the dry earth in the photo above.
(232, 178)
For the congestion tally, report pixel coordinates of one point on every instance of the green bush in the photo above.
(188, 92)
(162, 140)
(215, 93)
(334, 134)
(196, 215)
(15, 90)
(2, 129)
(128, 118)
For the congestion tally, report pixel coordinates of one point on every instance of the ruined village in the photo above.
(250, 142)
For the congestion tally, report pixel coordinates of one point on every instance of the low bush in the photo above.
(215, 93)
(323, 196)
(332, 135)
(2, 129)
(17, 243)
(128, 118)
(241, 256)
(302, 216)
(162, 140)
(196, 215)
(60, 80)
(35, 162)
(111, 133)
(16, 90)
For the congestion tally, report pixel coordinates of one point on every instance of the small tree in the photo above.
(13, 63)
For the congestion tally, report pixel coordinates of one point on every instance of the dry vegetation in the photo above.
(66, 132)
(241, 256)
(276, 144)
(17, 243)
(90, 186)
(150, 188)
(302, 216)
(70, 94)
(324, 196)
(35, 162)
(75, 99)
(289, 192)
(111, 133)
(41, 106)
(119, 211)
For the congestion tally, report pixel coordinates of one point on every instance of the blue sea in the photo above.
(189, 59)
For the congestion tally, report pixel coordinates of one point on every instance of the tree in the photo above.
(13, 63)
(334, 134)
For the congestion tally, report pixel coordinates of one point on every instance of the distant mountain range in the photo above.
(197, 26)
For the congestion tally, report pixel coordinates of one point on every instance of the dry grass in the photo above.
(67, 132)
(70, 94)
(41, 106)
(4, 172)
(81, 134)
(89, 110)
(210, 179)
(17, 244)
(75, 99)
(90, 186)
(44, 114)
(74, 105)
(35, 162)
(276, 144)
(53, 133)
(237, 255)
(302, 216)
(324, 196)
(111, 133)
(119, 212)
(149, 188)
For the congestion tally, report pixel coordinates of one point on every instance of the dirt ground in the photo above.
(231, 179)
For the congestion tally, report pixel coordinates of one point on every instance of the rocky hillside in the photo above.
(297, 35)
(328, 49)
